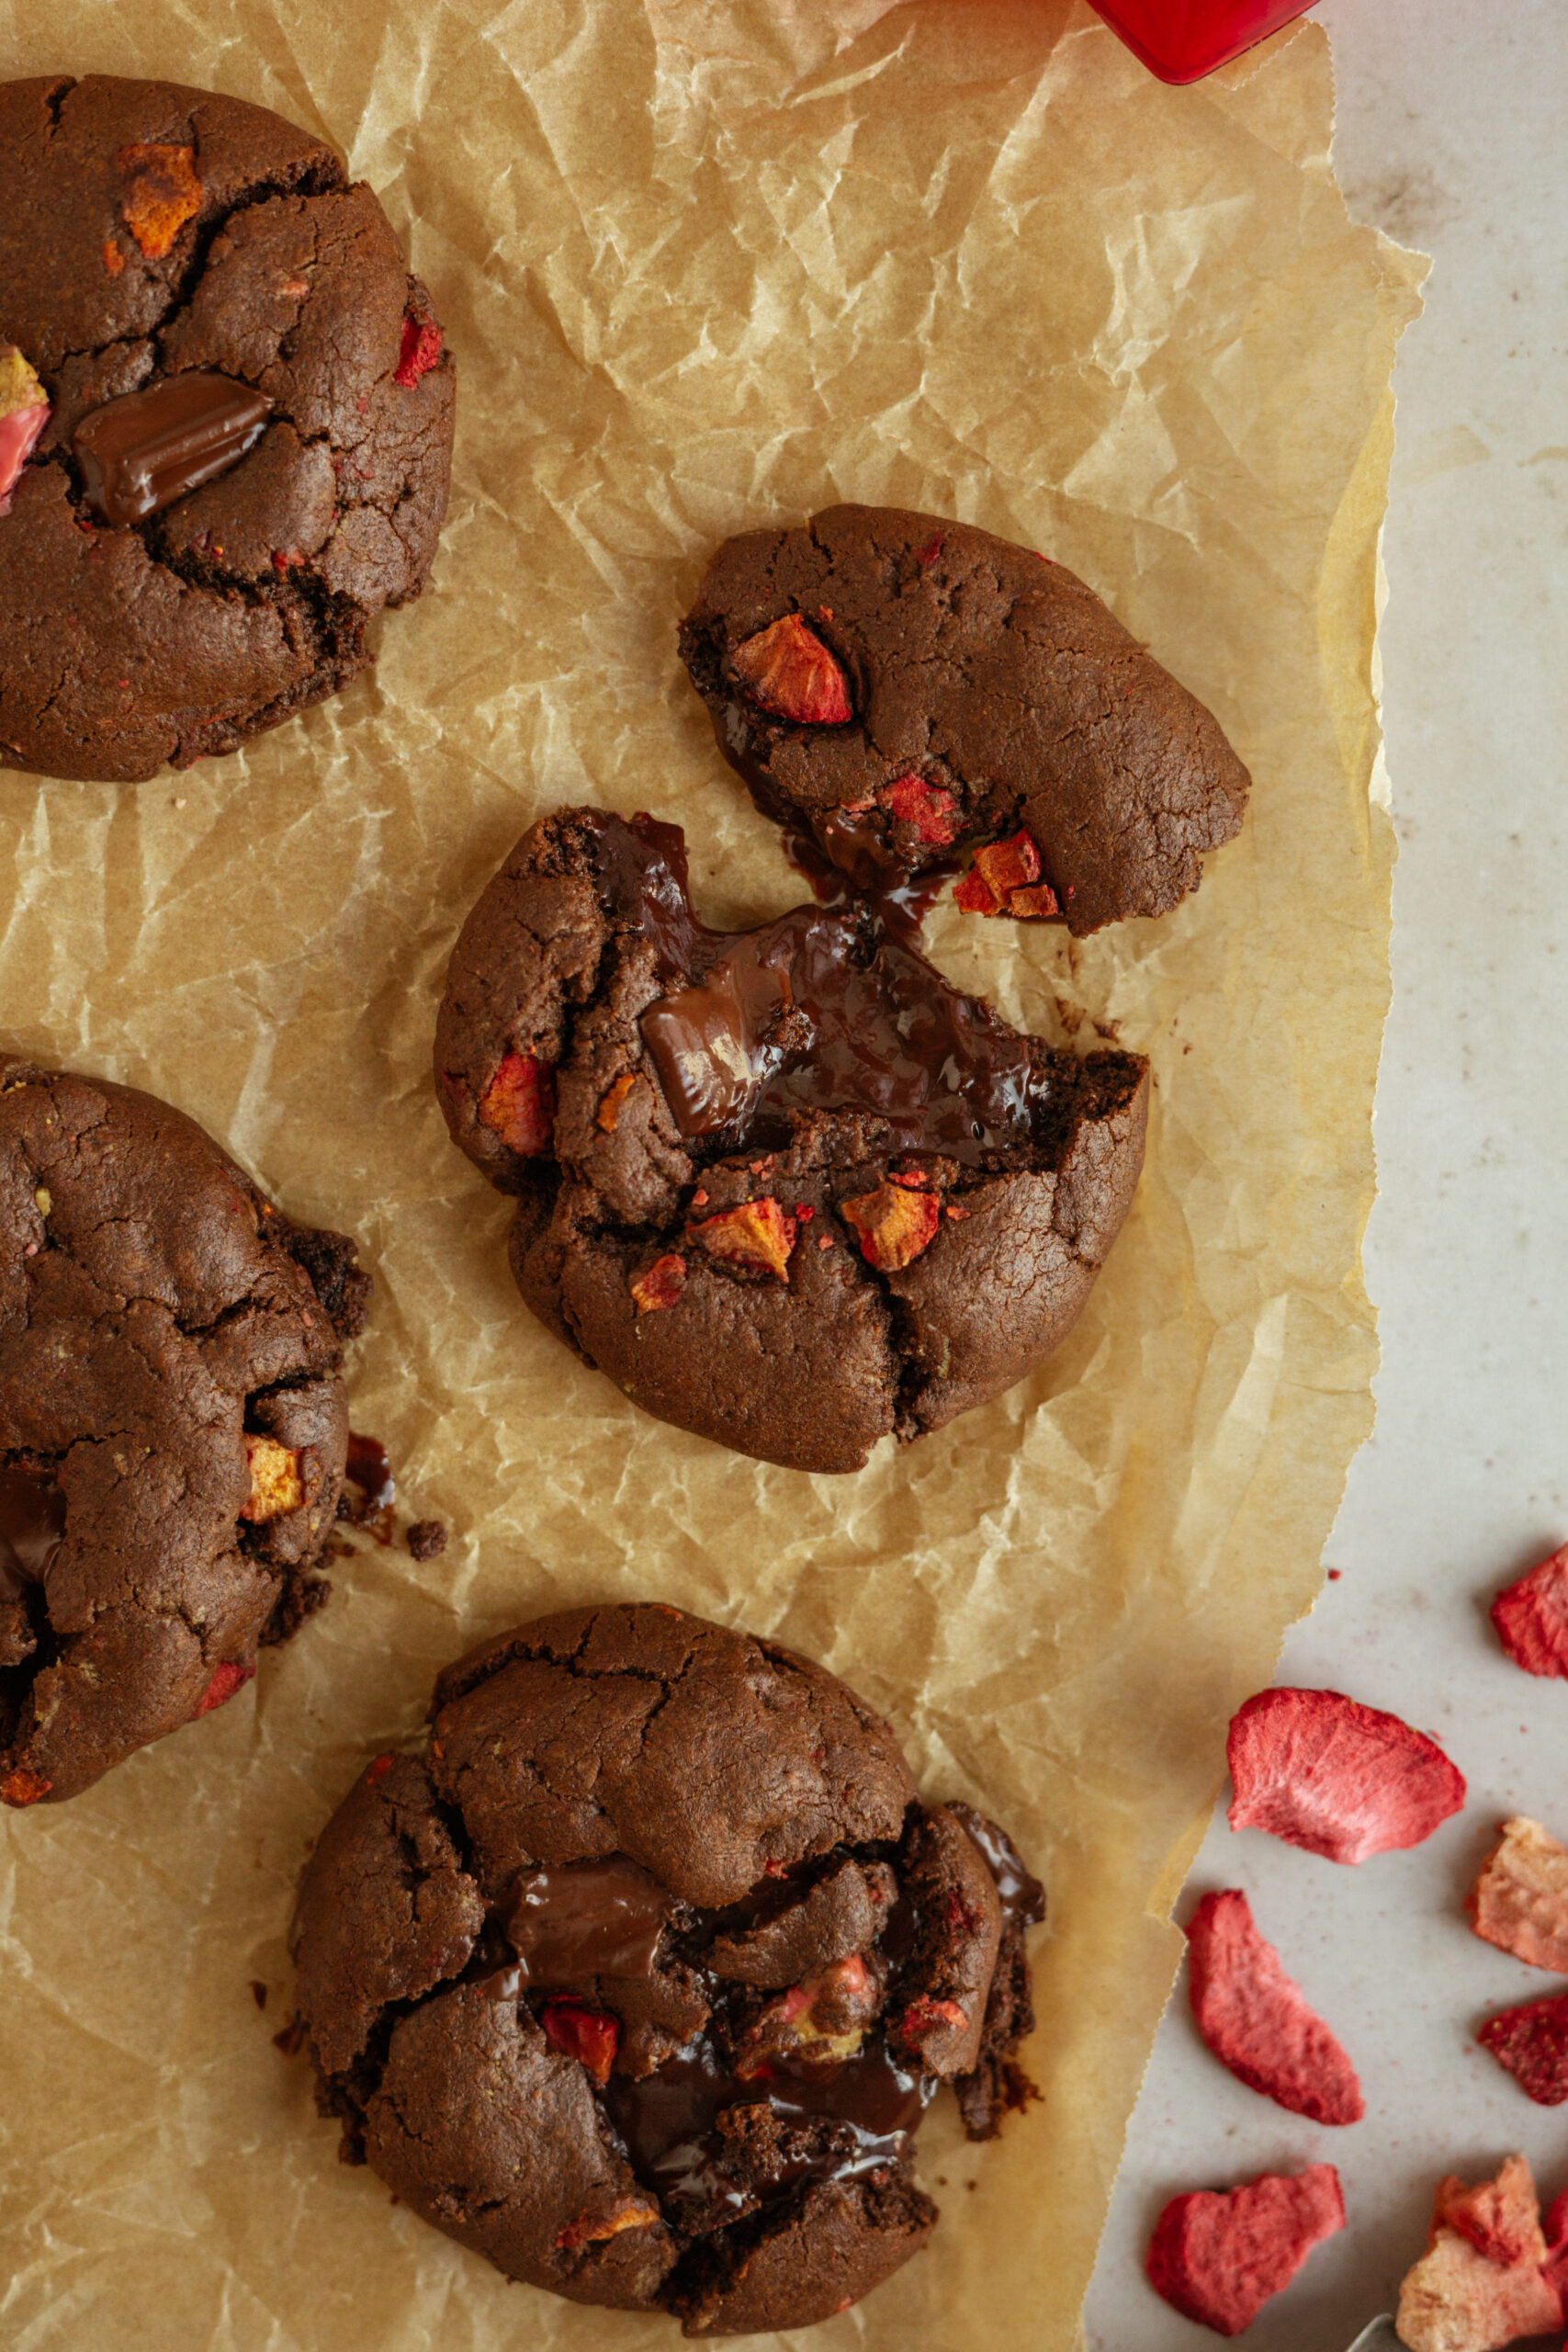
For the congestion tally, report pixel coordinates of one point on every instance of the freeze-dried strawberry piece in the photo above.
(661, 1283)
(1500, 2218)
(1258, 2022)
(590, 2035)
(1336, 1778)
(1554, 2229)
(1519, 1901)
(607, 1117)
(1005, 880)
(226, 1680)
(935, 814)
(418, 352)
(1531, 2041)
(1219, 2257)
(788, 670)
(162, 194)
(520, 1105)
(1462, 2298)
(1033, 905)
(591, 2229)
(820, 2022)
(757, 1234)
(278, 1486)
(23, 1787)
(24, 412)
(895, 1224)
(1531, 1617)
(975, 896)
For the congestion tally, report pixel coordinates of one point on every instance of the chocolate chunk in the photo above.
(147, 449)
(32, 1522)
(567, 1923)
(426, 1539)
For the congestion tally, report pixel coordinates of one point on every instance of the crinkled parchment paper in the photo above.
(705, 265)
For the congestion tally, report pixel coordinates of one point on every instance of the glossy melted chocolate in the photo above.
(669, 2119)
(569, 1922)
(829, 1008)
(1022, 1896)
(32, 1524)
(140, 453)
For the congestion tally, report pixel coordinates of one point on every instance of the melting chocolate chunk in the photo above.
(32, 1523)
(829, 1008)
(670, 2121)
(569, 1922)
(142, 452)
(1022, 1896)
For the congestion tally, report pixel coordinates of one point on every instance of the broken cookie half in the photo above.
(665, 2046)
(904, 685)
(787, 1187)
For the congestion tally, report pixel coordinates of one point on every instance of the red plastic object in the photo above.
(1183, 39)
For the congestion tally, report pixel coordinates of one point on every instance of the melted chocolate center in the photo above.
(668, 2121)
(32, 1523)
(140, 453)
(829, 1008)
(572, 1921)
(1022, 1896)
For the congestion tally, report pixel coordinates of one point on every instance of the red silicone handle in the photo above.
(1183, 39)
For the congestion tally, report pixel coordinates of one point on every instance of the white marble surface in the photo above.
(1451, 137)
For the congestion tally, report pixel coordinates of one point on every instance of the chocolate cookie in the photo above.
(789, 1187)
(248, 429)
(640, 1980)
(905, 684)
(172, 1424)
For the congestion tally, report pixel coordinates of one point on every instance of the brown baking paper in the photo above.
(706, 265)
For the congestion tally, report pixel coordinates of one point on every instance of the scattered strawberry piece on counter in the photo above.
(1334, 1777)
(1258, 2022)
(1481, 2284)
(1519, 1901)
(1531, 1617)
(1531, 2041)
(1218, 2257)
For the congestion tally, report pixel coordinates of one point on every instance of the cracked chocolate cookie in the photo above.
(640, 1980)
(904, 684)
(173, 1427)
(787, 1187)
(225, 424)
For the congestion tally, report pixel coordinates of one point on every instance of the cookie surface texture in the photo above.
(787, 1188)
(638, 1981)
(249, 433)
(903, 682)
(172, 1424)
